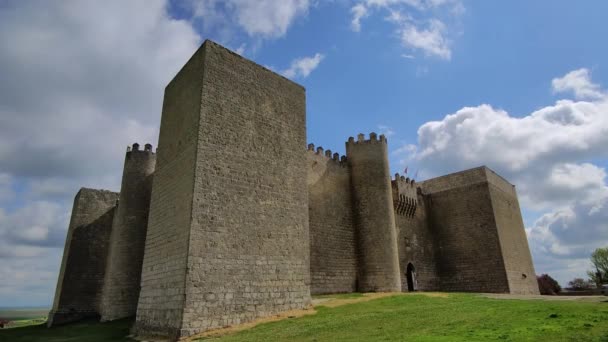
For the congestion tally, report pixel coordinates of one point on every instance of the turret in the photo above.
(374, 214)
(123, 270)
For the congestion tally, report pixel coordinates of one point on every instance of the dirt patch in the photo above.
(249, 325)
(592, 299)
(335, 302)
(429, 294)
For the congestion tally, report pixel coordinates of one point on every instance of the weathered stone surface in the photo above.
(249, 253)
(80, 281)
(459, 232)
(127, 241)
(244, 240)
(477, 223)
(416, 241)
(163, 289)
(374, 215)
(513, 242)
(469, 257)
(333, 257)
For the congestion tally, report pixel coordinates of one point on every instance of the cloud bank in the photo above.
(82, 79)
(548, 154)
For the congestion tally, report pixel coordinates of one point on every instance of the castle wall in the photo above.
(127, 241)
(333, 258)
(462, 218)
(161, 298)
(378, 261)
(241, 222)
(513, 241)
(247, 254)
(415, 240)
(80, 281)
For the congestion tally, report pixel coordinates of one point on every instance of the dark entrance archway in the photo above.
(412, 285)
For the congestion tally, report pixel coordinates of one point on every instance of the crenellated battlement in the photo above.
(373, 139)
(135, 148)
(405, 195)
(336, 157)
(404, 205)
(402, 180)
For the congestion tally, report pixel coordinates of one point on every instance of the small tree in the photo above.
(599, 259)
(578, 284)
(548, 285)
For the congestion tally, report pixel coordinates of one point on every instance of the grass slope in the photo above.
(21, 317)
(458, 317)
(90, 331)
(453, 317)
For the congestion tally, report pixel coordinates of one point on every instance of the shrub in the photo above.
(548, 285)
(578, 284)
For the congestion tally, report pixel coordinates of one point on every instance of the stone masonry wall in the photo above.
(163, 292)
(415, 240)
(80, 281)
(513, 240)
(462, 218)
(333, 257)
(378, 261)
(128, 238)
(249, 243)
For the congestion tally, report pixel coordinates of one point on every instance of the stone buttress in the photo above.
(80, 282)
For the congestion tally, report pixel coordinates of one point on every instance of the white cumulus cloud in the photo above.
(417, 22)
(81, 80)
(302, 67)
(431, 40)
(579, 83)
(258, 18)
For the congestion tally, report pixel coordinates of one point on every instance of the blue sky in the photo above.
(519, 86)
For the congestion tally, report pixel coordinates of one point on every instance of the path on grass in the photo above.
(588, 299)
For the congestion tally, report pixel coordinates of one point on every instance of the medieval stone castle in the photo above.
(233, 218)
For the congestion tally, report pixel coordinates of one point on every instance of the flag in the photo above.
(405, 171)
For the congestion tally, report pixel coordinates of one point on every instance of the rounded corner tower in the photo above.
(374, 215)
(127, 241)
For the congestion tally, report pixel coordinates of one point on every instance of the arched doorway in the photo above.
(411, 278)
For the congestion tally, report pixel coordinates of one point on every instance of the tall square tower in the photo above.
(227, 239)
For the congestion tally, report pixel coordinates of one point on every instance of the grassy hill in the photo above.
(20, 317)
(407, 317)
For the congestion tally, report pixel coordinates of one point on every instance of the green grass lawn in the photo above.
(82, 331)
(457, 317)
